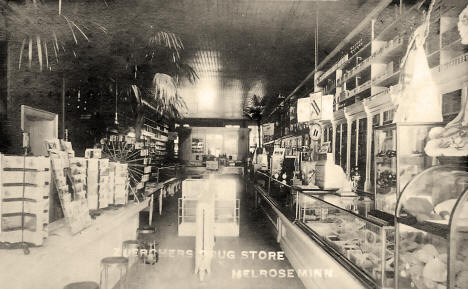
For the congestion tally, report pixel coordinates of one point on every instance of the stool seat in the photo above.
(146, 230)
(82, 285)
(114, 260)
(130, 242)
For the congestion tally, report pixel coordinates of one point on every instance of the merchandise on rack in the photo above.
(72, 195)
(24, 199)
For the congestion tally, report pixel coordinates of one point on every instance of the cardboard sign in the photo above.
(324, 147)
(277, 160)
(327, 107)
(321, 106)
(304, 110)
(315, 131)
(316, 105)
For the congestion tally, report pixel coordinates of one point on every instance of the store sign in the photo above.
(321, 106)
(316, 105)
(315, 131)
(304, 110)
(327, 107)
(268, 129)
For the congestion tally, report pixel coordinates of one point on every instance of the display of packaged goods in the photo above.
(92, 183)
(93, 153)
(329, 176)
(24, 199)
(103, 167)
(104, 192)
(111, 195)
(72, 195)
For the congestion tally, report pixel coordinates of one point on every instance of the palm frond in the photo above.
(43, 22)
(165, 40)
(165, 95)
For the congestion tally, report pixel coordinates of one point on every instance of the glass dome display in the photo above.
(432, 230)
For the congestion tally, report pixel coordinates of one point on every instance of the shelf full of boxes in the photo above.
(155, 136)
(366, 73)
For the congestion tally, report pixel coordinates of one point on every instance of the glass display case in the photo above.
(399, 156)
(432, 230)
(262, 179)
(364, 246)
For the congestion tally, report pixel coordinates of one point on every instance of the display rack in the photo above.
(126, 150)
(24, 201)
(72, 192)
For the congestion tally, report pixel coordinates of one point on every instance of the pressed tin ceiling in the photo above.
(259, 47)
(239, 47)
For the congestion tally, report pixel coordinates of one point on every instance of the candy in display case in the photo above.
(399, 156)
(362, 245)
(432, 230)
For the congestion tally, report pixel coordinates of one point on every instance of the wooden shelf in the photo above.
(386, 79)
(351, 59)
(358, 90)
(393, 48)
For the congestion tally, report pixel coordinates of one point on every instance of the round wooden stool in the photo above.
(107, 263)
(130, 249)
(82, 285)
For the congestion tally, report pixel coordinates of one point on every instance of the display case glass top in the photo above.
(432, 230)
(363, 246)
(428, 200)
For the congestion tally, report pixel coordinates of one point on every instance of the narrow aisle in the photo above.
(175, 268)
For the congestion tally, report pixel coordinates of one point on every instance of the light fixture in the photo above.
(206, 97)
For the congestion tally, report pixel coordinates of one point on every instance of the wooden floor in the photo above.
(175, 269)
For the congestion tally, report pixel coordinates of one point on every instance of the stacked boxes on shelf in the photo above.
(24, 199)
(99, 195)
(146, 166)
(104, 190)
(107, 183)
(119, 188)
(92, 178)
(111, 193)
